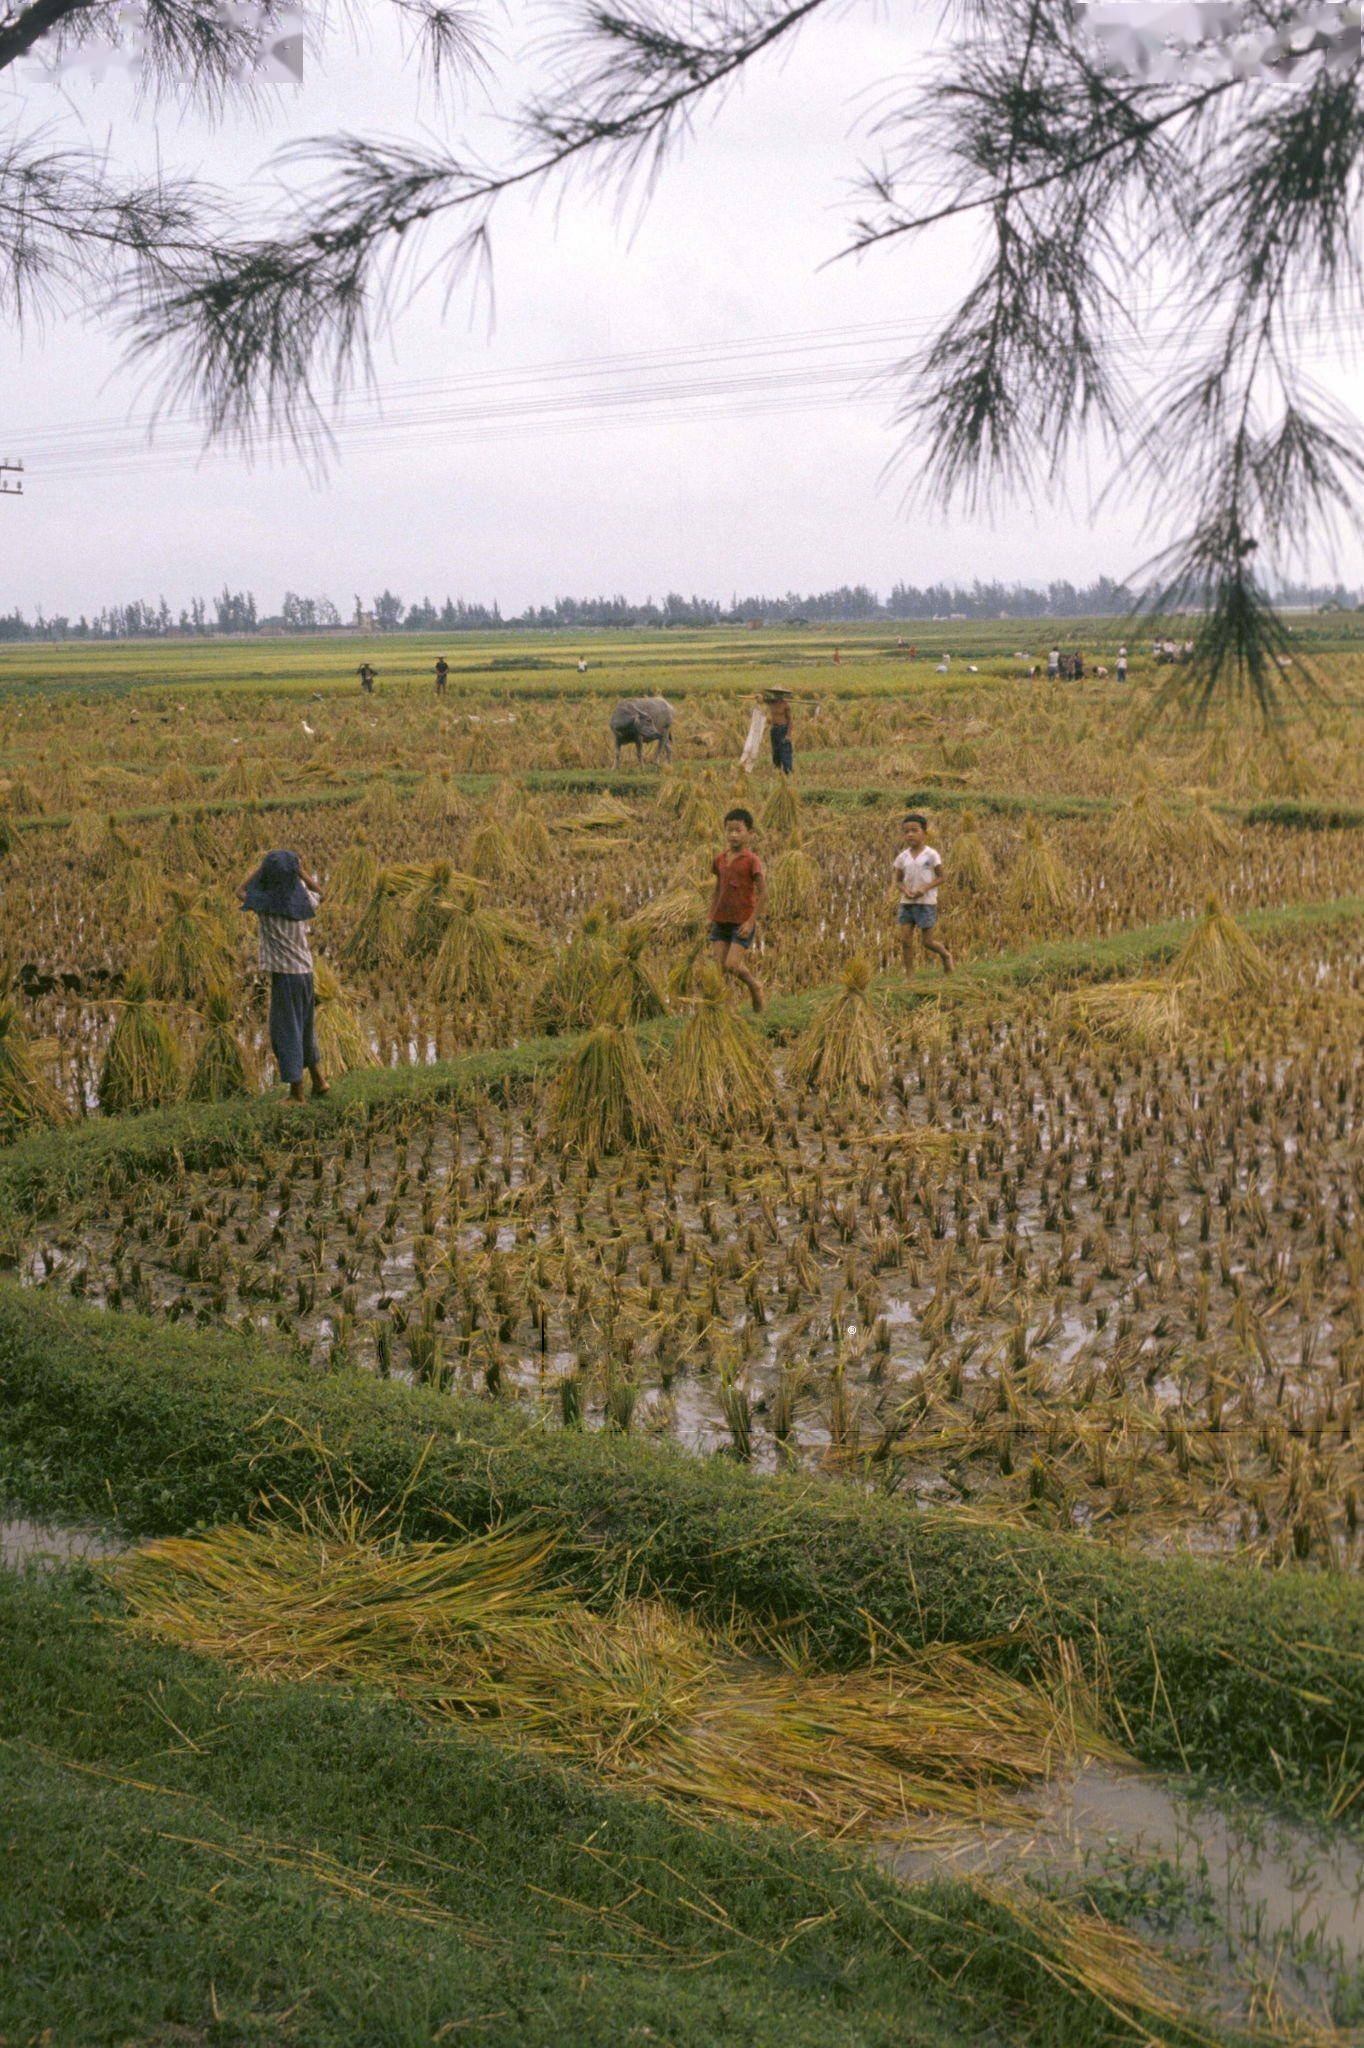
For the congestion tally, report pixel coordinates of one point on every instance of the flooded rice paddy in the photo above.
(1114, 1292)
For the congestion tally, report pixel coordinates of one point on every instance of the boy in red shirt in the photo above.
(738, 902)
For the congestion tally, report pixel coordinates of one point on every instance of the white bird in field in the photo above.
(307, 728)
(972, 666)
(942, 667)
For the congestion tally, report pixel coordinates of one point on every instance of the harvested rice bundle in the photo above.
(1221, 958)
(679, 911)
(245, 776)
(192, 954)
(608, 815)
(424, 887)
(843, 1050)
(603, 1100)
(973, 867)
(793, 885)
(222, 1066)
(629, 993)
(1148, 1015)
(474, 1631)
(86, 830)
(531, 834)
(719, 1074)
(376, 943)
(342, 1041)
(351, 882)
(570, 996)
(186, 843)
(437, 801)
(27, 1097)
(781, 814)
(1144, 825)
(479, 947)
(1203, 833)
(142, 889)
(142, 1066)
(1038, 880)
(381, 807)
(490, 852)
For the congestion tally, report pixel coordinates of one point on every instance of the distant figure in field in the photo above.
(1053, 664)
(778, 704)
(582, 666)
(1122, 664)
(641, 722)
(943, 665)
(366, 675)
(442, 675)
(284, 899)
(918, 870)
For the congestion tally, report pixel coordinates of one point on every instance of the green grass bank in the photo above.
(207, 1860)
(1253, 1676)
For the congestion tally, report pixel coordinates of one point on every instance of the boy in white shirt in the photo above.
(918, 870)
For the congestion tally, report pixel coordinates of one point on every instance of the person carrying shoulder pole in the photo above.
(778, 704)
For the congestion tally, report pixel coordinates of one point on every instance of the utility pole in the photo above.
(8, 490)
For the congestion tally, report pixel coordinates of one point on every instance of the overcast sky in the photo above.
(721, 267)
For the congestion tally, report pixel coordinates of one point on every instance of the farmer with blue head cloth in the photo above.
(284, 900)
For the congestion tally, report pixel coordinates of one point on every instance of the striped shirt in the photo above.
(284, 947)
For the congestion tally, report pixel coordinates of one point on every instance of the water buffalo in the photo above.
(643, 722)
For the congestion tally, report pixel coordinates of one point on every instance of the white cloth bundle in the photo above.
(757, 726)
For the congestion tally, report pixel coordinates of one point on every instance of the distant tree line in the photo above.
(236, 612)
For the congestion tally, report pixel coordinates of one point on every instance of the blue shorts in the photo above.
(924, 915)
(728, 935)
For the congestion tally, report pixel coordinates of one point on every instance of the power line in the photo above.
(749, 378)
(8, 469)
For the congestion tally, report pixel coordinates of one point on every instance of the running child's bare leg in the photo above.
(736, 963)
(907, 948)
(938, 950)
